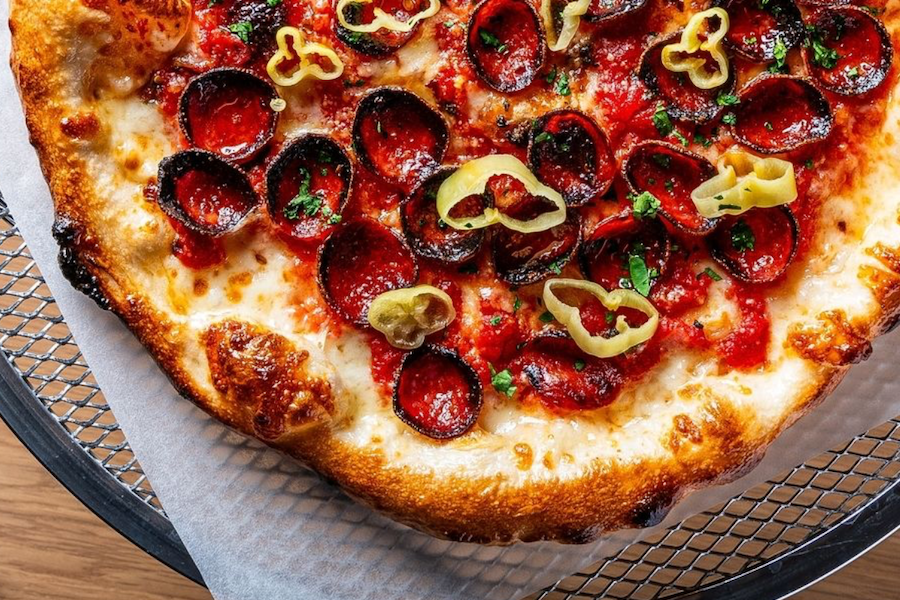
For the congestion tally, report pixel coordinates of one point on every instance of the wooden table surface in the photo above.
(52, 547)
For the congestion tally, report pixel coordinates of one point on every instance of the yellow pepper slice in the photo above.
(678, 57)
(383, 20)
(745, 181)
(407, 315)
(472, 179)
(300, 49)
(602, 347)
(571, 19)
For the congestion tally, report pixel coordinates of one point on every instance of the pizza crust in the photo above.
(518, 477)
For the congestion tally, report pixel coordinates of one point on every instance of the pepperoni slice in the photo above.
(308, 185)
(437, 393)
(361, 260)
(526, 258)
(383, 42)
(427, 235)
(399, 136)
(682, 98)
(571, 154)
(204, 192)
(565, 378)
(780, 113)
(671, 174)
(228, 111)
(758, 245)
(849, 52)
(757, 26)
(605, 256)
(601, 10)
(506, 43)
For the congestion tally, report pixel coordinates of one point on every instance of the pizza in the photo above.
(507, 270)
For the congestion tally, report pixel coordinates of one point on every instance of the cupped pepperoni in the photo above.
(506, 43)
(526, 258)
(262, 19)
(308, 184)
(602, 10)
(437, 393)
(760, 29)
(384, 41)
(562, 377)
(204, 192)
(428, 235)
(398, 136)
(570, 153)
(780, 113)
(605, 256)
(361, 260)
(849, 51)
(670, 173)
(757, 246)
(228, 111)
(683, 100)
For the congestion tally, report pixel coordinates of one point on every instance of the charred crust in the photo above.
(71, 261)
(651, 509)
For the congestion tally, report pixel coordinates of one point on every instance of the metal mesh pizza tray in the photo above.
(770, 542)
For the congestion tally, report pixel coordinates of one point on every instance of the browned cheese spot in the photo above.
(234, 290)
(200, 287)
(80, 126)
(261, 376)
(831, 340)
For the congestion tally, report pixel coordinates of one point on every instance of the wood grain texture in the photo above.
(53, 548)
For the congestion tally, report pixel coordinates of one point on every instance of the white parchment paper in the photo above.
(261, 527)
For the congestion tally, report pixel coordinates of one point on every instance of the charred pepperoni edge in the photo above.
(174, 166)
(240, 79)
(295, 150)
(623, 225)
(476, 393)
(327, 249)
(860, 85)
(558, 343)
(538, 271)
(815, 97)
(790, 29)
(622, 7)
(735, 269)
(472, 32)
(387, 95)
(371, 44)
(464, 246)
(604, 155)
(705, 166)
(647, 74)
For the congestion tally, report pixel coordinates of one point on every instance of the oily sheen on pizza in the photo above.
(511, 270)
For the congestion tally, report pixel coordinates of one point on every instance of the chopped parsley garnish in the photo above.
(544, 136)
(768, 125)
(663, 160)
(708, 272)
(853, 73)
(702, 140)
(742, 238)
(662, 122)
(242, 30)
(503, 382)
(561, 86)
(273, 2)
(809, 163)
(822, 55)
(610, 317)
(724, 99)
(496, 320)
(645, 205)
(729, 118)
(517, 304)
(304, 202)
(546, 317)
(492, 41)
(580, 365)
(780, 53)
(555, 267)
(669, 184)
(750, 40)
(640, 275)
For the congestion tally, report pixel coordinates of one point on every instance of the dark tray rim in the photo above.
(121, 509)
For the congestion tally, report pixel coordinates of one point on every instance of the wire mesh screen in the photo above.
(760, 525)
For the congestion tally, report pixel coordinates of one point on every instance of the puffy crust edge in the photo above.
(484, 510)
